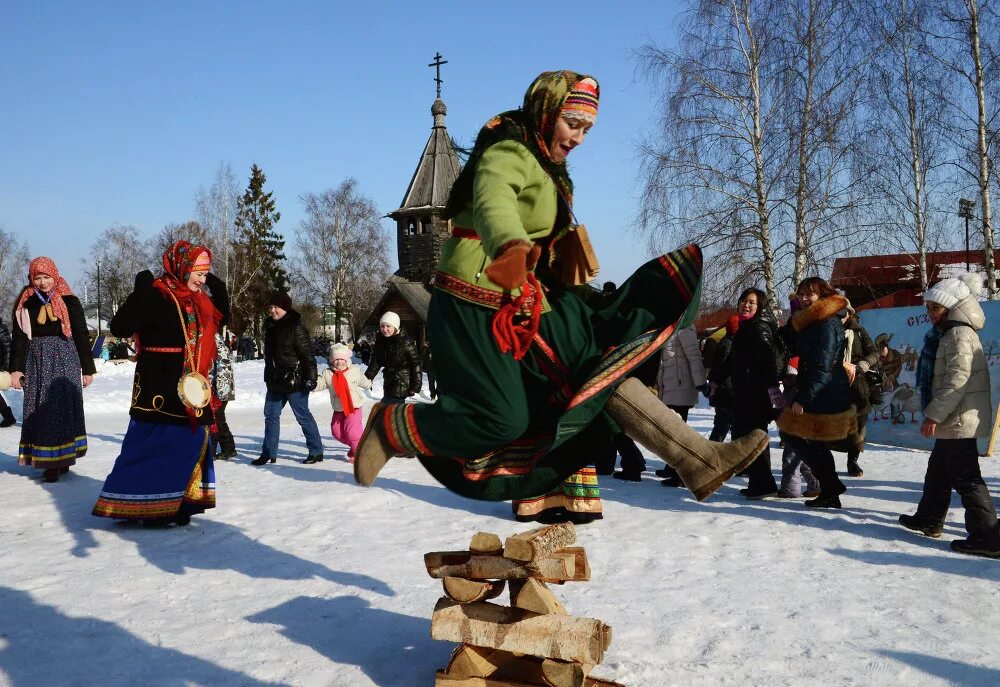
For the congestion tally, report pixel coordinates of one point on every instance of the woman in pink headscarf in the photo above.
(50, 360)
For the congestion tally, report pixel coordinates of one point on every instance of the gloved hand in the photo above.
(309, 384)
(510, 268)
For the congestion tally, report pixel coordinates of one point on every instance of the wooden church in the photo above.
(420, 229)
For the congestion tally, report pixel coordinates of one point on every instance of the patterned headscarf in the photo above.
(201, 318)
(43, 265)
(533, 125)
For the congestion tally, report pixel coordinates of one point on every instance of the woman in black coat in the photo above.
(862, 356)
(397, 355)
(164, 473)
(821, 412)
(290, 374)
(752, 365)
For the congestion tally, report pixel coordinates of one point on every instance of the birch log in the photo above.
(442, 679)
(486, 543)
(536, 597)
(466, 591)
(569, 564)
(539, 543)
(564, 637)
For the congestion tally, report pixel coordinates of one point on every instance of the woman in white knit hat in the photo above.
(954, 382)
(397, 355)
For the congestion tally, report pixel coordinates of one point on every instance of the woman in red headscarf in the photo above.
(164, 473)
(50, 359)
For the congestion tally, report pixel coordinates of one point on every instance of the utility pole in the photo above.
(98, 297)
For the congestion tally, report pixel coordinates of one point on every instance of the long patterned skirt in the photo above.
(504, 429)
(163, 471)
(577, 499)
(53, 434)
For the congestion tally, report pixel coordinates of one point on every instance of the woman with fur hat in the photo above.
(345, 383)
(530, 377)
(289, 374)
(396, 355)
(50, 359)
(165, 472)
(821, 411)
(954, 382)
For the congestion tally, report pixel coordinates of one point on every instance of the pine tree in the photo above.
(259, 257)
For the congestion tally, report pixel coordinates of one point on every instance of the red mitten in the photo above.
(510, 268)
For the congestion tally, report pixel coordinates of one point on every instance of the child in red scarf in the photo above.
(345, 383)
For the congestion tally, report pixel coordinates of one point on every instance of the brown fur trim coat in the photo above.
(819, 426)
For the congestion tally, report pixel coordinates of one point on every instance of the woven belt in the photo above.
(162, 349)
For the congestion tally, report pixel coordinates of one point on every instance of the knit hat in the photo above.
(581, 101)
(281, 299)
(948, 292)
(203, 262)
(340, 352)
(390, 318)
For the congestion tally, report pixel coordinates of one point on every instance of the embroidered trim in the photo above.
(479, 295)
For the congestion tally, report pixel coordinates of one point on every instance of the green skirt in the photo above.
(506, 429)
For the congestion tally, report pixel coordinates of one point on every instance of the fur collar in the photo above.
(823, 309)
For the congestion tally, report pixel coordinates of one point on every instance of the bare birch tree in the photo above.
(343, 251)
(902, 159)
(14, 259)
(190, 231)
(714, 167)
(122, 254)
(216, 209)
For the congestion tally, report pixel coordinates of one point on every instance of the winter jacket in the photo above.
(751, 367)
(151, 317)
(723, 396)
(681, 369)
(78, 330)
(355, 381)
(289, 363)
(4, 346)
(862, 353)
(960, 403)
(398, 355)
(822, 388)
(222, 372)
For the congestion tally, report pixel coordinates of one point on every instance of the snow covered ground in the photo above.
(300, 577)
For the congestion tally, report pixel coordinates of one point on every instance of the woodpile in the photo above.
(532, 642)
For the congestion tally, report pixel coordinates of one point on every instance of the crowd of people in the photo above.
(538, 385)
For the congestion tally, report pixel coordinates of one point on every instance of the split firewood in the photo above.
(466, 591)
(536, 597)
(486, 543)
(539, 543)
(442, 679)
(565, 637)
(556, 568)
(576, 559)
(564, 674)
(477, 661)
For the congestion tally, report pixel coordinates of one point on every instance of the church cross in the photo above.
(437, 65)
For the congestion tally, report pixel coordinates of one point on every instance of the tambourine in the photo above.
(4, 380)
(194, 390)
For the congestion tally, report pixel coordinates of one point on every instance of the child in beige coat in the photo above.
(345, 382)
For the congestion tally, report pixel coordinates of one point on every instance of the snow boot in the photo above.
(912, 522)
(701, 464)
(976, 547)
(853, 469)
(374, 449)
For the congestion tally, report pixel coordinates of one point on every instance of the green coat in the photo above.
(506, 172)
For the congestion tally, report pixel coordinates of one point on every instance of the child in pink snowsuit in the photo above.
(345, 383)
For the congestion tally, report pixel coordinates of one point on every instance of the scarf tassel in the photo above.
(514, 332)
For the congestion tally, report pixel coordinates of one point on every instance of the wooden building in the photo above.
(420, 231)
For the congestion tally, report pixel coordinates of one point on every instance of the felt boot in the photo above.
(374, 449)
(702, 465)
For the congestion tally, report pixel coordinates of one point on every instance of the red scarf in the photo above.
(200, 317)
(343, 389)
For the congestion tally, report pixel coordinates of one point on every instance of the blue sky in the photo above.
(117, 112)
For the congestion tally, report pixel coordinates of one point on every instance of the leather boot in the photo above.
(702, 465)
(374, 449)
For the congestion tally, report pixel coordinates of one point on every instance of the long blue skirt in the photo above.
(163, 471)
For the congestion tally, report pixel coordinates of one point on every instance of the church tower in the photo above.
(420, 230)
